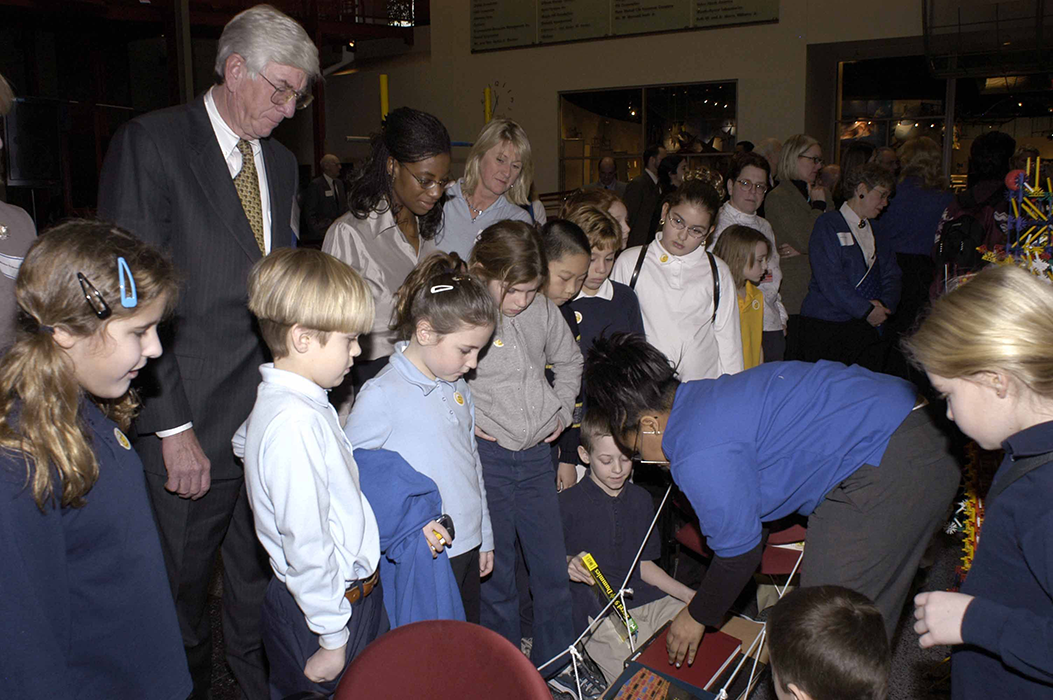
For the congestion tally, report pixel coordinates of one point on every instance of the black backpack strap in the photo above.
(1017, 469)
(639, 265)
(529, 208)
(716, 285)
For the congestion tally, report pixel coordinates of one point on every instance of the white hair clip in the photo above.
(441, 288)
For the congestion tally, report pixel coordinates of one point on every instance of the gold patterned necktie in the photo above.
(247, 183)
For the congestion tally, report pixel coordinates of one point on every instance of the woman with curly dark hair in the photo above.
(394, 214)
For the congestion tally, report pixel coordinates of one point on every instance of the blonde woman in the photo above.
(495, 187)
(792, 208)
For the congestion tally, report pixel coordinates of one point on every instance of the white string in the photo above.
(723, 695)
(572, 650)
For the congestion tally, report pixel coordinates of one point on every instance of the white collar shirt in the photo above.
(606, 291)
(377, 250)
(864, 234)
(311, 516)
(228, 146)
(676, 301)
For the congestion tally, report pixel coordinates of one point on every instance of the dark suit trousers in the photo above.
(192, 534)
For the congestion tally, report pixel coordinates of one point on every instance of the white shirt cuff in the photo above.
(174, 431)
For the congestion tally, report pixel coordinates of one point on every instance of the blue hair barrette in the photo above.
(129, 300)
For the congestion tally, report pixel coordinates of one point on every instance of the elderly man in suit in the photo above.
(204, 182)
(324, 200)
(641, 197)
(608, 172)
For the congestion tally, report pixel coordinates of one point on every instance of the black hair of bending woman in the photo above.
(626, 377)
(409, 136)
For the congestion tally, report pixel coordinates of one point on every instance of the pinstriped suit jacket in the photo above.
(164, 179)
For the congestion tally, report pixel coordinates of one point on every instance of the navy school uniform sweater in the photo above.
(1008, 627)
(597, 316)
(611, 529)
(85, 606)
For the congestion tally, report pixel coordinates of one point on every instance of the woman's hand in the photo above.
(939, 617)
(816, 192)
(683, 639)
(437, 537)
(479, 432)
(566, 475)
(787, 251)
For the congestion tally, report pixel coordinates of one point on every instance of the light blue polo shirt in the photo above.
(431, 423)
(459, 231)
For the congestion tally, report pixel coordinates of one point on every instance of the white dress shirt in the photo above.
(311, 516)
(377, 250)
(228, 145)
(676, 301)
(774, 312)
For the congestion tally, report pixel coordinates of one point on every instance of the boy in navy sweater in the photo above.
(602, 306)
(607, 516)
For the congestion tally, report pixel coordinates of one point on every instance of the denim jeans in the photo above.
(521, 495)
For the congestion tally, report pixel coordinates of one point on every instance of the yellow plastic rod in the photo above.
(383, 96)
(488, 105)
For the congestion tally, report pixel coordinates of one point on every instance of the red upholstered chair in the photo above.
(440, 659)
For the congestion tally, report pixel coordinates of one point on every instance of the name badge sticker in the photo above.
(845, 238)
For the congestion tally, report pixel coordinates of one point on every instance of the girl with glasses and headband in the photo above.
(747, 183)
(686, 294)
(86, 610)
(853, 451)
(394, 215)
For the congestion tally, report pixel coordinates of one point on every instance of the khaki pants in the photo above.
(606, 647)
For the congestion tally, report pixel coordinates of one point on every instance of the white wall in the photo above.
(767, 60)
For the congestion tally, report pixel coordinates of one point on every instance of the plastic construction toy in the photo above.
(1029, 243)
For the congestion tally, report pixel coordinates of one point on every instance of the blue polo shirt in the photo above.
(431, 423)
(759, 445)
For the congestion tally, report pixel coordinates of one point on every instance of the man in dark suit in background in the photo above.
(641, 197)
(324, 200)
(203, 182)
(608, 173)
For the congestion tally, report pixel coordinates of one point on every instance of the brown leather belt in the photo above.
(359, 589)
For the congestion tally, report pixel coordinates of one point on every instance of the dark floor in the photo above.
(917, 674)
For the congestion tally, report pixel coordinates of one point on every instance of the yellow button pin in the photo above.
(458, 398)
(498, 343)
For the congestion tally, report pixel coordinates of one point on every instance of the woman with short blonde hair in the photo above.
(495, 187)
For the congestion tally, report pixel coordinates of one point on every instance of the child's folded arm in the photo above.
(656, 576)
(294, 468)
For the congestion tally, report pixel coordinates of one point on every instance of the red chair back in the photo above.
(440, 659)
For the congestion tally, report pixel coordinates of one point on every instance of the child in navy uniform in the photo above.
(985, 347)
(602, 306)
(86, 609)
(607, 516)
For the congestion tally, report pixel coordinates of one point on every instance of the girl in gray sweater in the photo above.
(518, 415)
